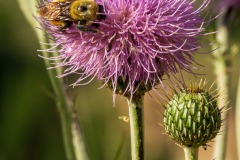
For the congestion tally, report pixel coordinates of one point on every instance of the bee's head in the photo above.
(84, 10)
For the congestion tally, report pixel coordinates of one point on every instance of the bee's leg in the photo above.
(109, 47)
(85, 29)
(101, 16)
(81, 25)
(96, 25)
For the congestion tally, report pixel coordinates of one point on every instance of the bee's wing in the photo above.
(49, 11)
(55, 11)
(65, 12)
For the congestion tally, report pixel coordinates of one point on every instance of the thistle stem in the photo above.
(238, 119)
(28, 8)
(223, 83)
(57, 84)
(222, 65)
(72, 137)
(63, 109)
(191, 153)
(78, 141)
(136, 127)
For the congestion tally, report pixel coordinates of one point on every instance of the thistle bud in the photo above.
(192, 117)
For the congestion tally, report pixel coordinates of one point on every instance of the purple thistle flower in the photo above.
(137, 43)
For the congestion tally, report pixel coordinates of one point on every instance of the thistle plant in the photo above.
(192, 118)
(136, 44)
(129, 49)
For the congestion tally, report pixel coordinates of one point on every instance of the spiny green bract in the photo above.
(192, 117)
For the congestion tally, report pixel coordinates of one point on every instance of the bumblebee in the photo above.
(62, 13)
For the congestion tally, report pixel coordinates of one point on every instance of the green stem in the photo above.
(222, 64)
(136, 127)
(238, 118)
(78, 142)
(62, 105)
(191, 153)
(72, 137)
(223, 83)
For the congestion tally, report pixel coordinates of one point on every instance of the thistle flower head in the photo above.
(136, 43)
(192, 117)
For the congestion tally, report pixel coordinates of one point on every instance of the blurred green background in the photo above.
(29, 121)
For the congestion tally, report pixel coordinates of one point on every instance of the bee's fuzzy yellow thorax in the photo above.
(84, 10)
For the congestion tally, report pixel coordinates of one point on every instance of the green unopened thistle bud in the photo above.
(192, 117)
